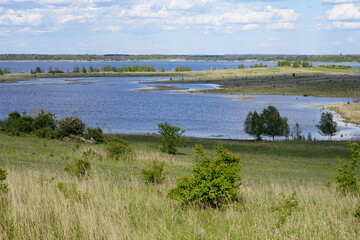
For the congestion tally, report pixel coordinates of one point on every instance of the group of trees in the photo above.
(5, 71)
(294, 64)
(270, 123)
(182, 69)
(43, 124)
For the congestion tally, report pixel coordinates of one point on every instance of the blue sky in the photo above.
(180, 26)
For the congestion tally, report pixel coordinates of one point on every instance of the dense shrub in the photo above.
(94, 133)
(171, 137)
(118, 149)
(71, 126)
(214, 182)
(155, 174)
(44, 120)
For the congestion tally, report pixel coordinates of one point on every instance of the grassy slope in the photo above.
(121, 206)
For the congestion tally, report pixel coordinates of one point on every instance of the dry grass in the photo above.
(117, 204)
(349, 111)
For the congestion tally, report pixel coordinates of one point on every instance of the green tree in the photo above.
(214, 182)
(171, 137)
(327, 126)
(274, 124)
(44, 120)
(254, 125)
(297, 132)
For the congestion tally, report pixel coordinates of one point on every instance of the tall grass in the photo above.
(117, 204)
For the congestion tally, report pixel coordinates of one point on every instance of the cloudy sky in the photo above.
(180, 26)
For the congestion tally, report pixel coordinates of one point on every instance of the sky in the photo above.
(180, 26)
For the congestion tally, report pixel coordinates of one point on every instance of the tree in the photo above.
(297, 133)
(254, 125)
(274, 124)
(171, 137)
(327, 126)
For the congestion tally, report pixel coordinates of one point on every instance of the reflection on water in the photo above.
(113, 104)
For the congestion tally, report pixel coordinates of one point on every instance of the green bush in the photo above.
(94, 133)
(44, 133)
(80, 168)
(44, 120)
(171, 137)
(3, 186)
(71, 126)
(118, 148)
(347, 178)
(155, 174)
(70, 192)
(214, 182)
(284, 208)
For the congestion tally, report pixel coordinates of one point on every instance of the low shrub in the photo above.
(94, 133)
(80, 168)
(155, 174)
(284, 208)
(70, 192)
(214, 182)
(118, 148)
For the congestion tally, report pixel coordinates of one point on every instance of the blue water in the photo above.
(115, 105)
(26, 67)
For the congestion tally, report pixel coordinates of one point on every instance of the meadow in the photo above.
(114, 202)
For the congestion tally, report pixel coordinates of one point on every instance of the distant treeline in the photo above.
(154, 57)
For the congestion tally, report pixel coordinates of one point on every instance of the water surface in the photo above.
(115, 105)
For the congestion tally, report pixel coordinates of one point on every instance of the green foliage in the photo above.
(261, 65)
(254, 125)
(3, 174)
(44, 120)
(94, 133)
(347, 178)
(357, 212)
(80, 168)
(284, 208)
(171, 137)
(182, 69)
(118, 149)
(16, 124)
(327, 126)
(70, 192)
(274, 124)
(214, 182)
(241, 66)
(71, 126)
(297, 132)
(155, 174)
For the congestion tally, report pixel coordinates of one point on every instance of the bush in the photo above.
(346, 178)
(214, 182)
(171, 137)
(284, 208)
(80, 168)
(118, 148)
(154, 174)
(45, 133)
(44, 120)
(71, 126)
(70, 192)
(94, 133)
(3, 186)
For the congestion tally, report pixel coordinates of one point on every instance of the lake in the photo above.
(121, 105)
(26, 67)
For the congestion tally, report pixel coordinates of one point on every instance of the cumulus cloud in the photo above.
(344, 12)
(163, 15)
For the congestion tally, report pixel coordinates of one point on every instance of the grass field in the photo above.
(117, 204)
(349, 111)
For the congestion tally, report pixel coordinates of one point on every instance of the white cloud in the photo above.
(346, 25)
(339, 1)
(274, 39)
(113, 28)
(12, 17)
(350, 39)
(281, 26)
(344, 12)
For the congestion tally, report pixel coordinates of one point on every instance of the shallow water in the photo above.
(114, 105)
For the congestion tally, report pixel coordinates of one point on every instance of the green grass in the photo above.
(119, 205)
